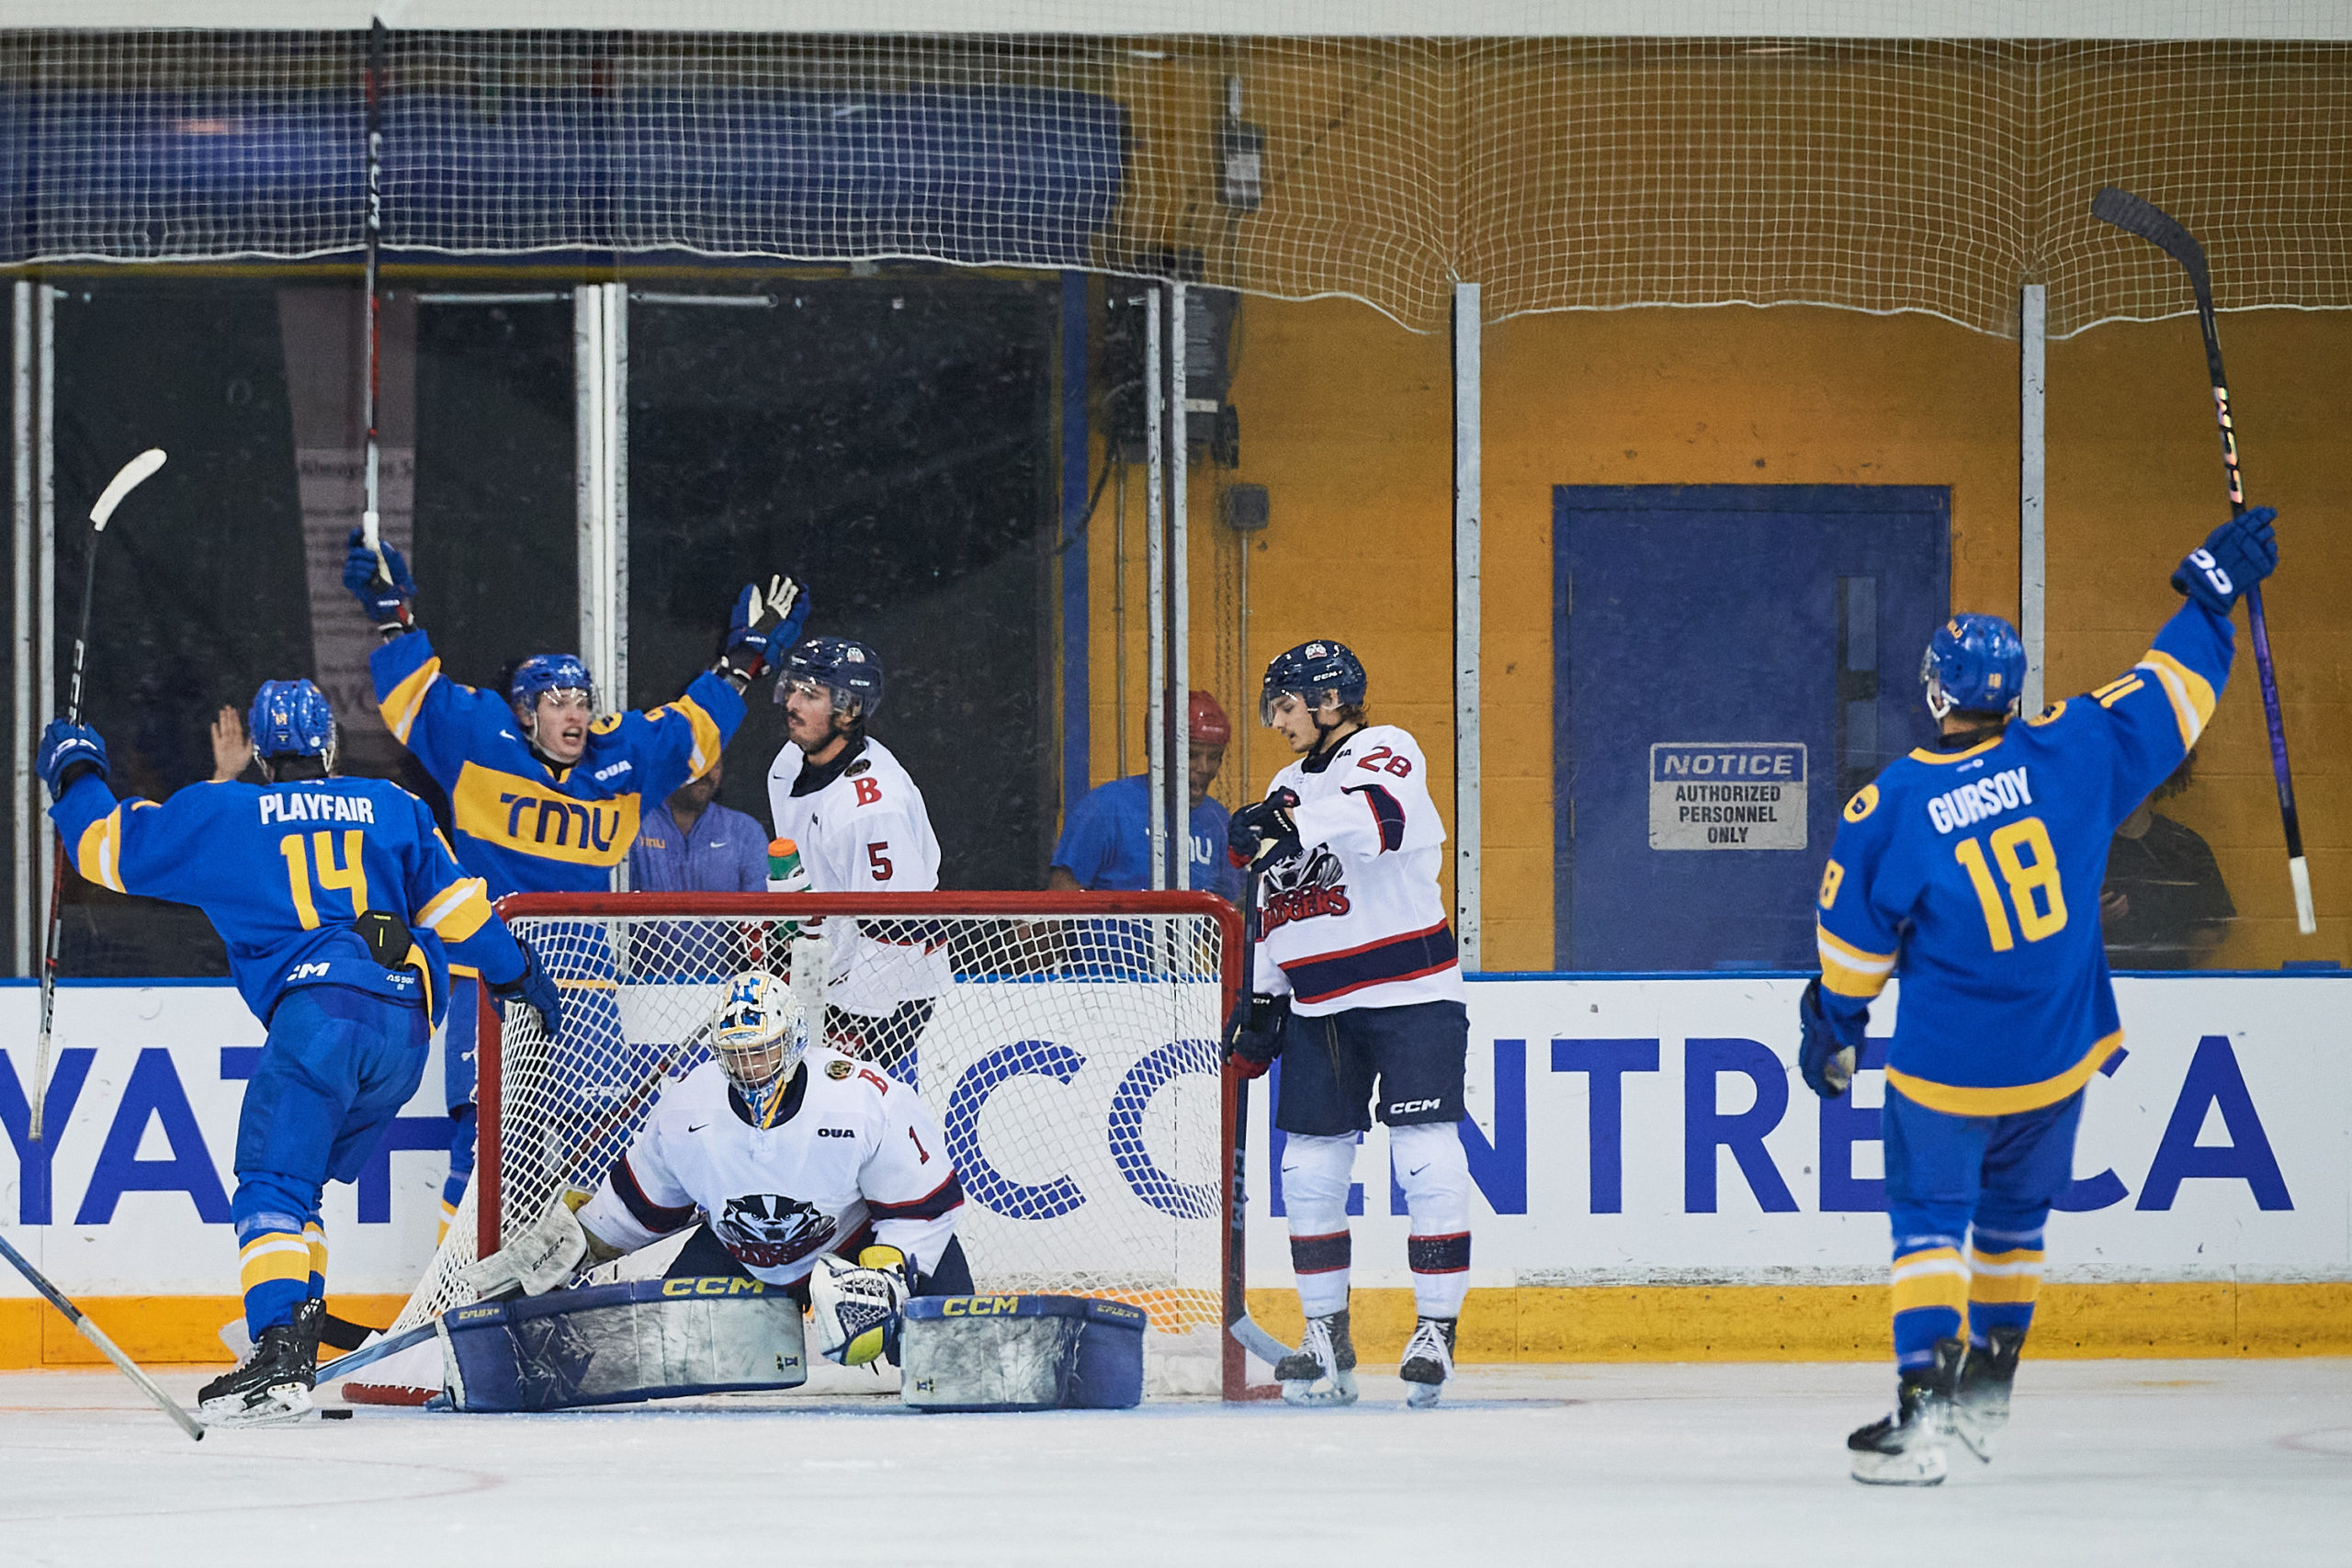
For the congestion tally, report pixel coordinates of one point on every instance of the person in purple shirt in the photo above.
(1106, 842)
(690, 843)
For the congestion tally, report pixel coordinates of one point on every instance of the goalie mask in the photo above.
(758, 1037)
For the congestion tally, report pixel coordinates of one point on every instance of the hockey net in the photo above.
(1069, 1046)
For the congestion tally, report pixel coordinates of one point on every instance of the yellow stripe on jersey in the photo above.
(530, 816)
(98, 857)
(1848, 970)
(405, 701)
(707, 744)
(458, 910)
(2191, 694)
(1943, 759)
(1964, 1100)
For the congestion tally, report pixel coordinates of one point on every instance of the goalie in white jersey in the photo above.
(862, 828)
(809, 1169)
(1359, 992)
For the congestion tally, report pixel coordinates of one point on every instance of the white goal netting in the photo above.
(1072, 1062)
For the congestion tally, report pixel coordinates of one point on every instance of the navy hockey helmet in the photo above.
(1974, 664)
(291, 719)
(544, 672)
(1310, 670)
(850, 671)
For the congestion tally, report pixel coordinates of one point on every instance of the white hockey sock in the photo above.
(1435, 1174)
(1315, 1175)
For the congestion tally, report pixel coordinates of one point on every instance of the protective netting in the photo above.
(1878, 174)
(1072, 1063)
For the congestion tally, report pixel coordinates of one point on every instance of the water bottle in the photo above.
(786, 874)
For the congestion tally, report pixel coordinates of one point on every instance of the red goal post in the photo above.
(1070, 1044)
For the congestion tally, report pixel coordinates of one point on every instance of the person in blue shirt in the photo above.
(1106, 844)
(1973, 872)
(690, 843)
(545, 793)
(340, 903)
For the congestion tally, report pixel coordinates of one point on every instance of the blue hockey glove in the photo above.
(1257, 1036)
(67, 751)
(385, 602)
(2237, 555)
(1264, 833)
(1824, 1057)
(764, 620)
(531, 986)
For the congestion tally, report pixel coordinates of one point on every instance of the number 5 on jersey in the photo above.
(2032, 883)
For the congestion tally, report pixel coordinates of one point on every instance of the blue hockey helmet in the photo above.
(850, 671)
(291, 719)
(1973, 663)
(544, 672)
(1310, 670)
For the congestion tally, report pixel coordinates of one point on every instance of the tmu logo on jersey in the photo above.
(767, 1231)
(1302, 890)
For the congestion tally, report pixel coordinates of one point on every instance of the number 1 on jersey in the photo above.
(2026, 879)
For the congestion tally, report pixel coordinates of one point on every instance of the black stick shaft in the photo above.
(1236, 1261)
(96, 1335)
(373, 236)
(54, 935)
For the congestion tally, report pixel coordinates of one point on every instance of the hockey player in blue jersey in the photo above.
(544, 794)
(339, 901)
(1973, 871)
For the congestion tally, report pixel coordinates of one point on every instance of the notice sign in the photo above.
(1727, 794)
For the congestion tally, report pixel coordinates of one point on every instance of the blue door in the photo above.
(1732, 662)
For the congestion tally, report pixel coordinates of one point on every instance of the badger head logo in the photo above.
(768, 1230)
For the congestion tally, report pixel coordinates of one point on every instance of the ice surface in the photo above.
(2147, 1462)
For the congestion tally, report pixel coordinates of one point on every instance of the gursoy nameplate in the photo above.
(1727, 794)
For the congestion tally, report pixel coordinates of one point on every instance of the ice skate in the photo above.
(1906, 1448)
(1429, 1360)
(273, 1385)
(1322, 1370)
(1980, 1406)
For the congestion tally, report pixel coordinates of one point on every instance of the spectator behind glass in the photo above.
(2165, 905)
(1106, 842)
(689, 843)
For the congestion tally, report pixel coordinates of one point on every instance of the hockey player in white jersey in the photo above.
(813, 1171)
(862, 828)
(1359, 992)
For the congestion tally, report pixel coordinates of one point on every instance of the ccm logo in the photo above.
(307, 971)
(1407, 1107)
(835, 1132)
(980, 1307)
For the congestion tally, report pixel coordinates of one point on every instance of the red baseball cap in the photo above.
(1208, 720)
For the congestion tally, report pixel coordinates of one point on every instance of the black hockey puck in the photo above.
(334, 1415)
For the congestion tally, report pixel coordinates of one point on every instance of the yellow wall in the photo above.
(1345, 421)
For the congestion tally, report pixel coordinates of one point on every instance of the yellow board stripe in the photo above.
(401, 705)
(1962, 1099)
(2191, 694)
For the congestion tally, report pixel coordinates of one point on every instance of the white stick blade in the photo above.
(132, 474)
(2299, 871)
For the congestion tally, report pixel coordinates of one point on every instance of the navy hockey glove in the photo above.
(1258, 1035)
(385, 602)
(532, 986)
(2237, 555)
(1823, 1058)
(764, 622)
(1264, 833)
(67, 751)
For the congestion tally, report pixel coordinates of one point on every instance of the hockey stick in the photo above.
(368, 1355)
(130, 476)
(370, 514)
(2152, 223)
(97, 1335)
(1244, 1329)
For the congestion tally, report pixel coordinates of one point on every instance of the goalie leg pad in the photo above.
(1021, 1353)
(615, 1344)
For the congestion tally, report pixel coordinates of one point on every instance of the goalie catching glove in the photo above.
(857, 1308)
(543, 1256)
